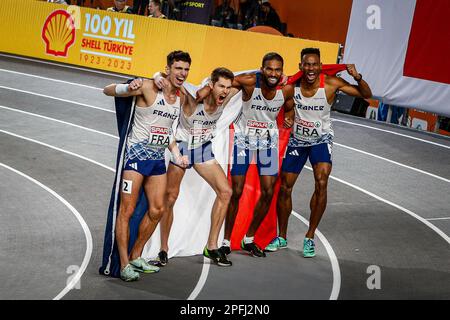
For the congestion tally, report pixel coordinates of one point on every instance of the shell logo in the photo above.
(58, 33)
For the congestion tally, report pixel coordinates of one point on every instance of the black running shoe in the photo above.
(217, 257)
(225, 250)
(162, 258)
(253, 249)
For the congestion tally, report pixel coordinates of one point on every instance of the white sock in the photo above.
(226, 243)
(248, 239)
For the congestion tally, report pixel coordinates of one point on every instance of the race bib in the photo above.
(199, 136)
(159, 136)
(307, 130)
(260, 129)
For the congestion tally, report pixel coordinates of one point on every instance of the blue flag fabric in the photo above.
(111, 260)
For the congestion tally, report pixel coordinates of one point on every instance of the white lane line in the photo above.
(333, 258)
(412, 214)
(205, 269)
(87, 232)
(50, 79)
(58, 149)
(392, 132)
(394, 162)
(201, 282)
(58, 99)
(65, 66)
(435, 219)
(60, 121)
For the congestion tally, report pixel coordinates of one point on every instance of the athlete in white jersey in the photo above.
(195, 131)
(150, 135)
(312, 138)
(256, 135)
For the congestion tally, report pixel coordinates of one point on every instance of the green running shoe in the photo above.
(309, 250)
(140, 265)
(128, 274)
(276, 243)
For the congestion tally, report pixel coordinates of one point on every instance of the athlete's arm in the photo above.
(289, 115)
(134, 88)
(362, 90)
(177, 158)
(246, 83)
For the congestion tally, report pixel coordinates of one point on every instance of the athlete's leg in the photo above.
(174, 176)
(267, 184)
(131, 184)
(241, 162)
(154, 187)
(237, 187)
(318, 202)
(267, 162)
(284, 201)
(213, 173)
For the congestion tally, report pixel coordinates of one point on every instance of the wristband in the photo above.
(121, 89)
(360, 77)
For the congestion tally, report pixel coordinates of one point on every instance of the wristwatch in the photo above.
(360, 77)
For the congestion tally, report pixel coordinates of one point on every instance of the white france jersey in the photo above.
(199, 128)
(312, 123)
(151, 131)
(256, 126)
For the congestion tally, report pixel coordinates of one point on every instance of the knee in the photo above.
(237, 191)
(322, 183)
(225, 194)
(156, 213)
(285, 190)
(171, 197)
(267, 194)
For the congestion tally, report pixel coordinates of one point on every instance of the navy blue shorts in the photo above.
(266, 161)
(146, 167)
(198, 155)
(296, 157)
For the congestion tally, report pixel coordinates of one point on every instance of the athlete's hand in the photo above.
(283, 80)
(351, 69)
(182, 161)
(136, 84)
(160, 81)
(288, 122)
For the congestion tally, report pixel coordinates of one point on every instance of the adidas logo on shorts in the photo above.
(294, 153)
(133, 165)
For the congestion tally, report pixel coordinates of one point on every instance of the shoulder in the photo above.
(110, 9)
(247, 78)
(288, 90)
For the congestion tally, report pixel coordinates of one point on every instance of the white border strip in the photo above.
(112, 74)
(435, 219)
(58, 149)
(107, 38)
(394, 162)
(60, 121)
(333, 259)
(412, 214)
(87, 232)
(105, 55)
(58, 99)
(50, 79)
(392, 132)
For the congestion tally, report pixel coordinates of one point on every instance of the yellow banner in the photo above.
(137, 45)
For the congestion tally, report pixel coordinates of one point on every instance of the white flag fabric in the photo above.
(401, 48)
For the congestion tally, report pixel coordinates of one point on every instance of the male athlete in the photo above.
(195, 131)
(256, 135)
(312, 137)
(144, 163)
